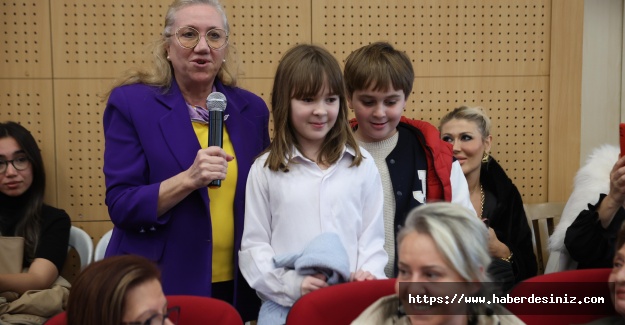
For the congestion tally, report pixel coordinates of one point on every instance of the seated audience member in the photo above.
(591, 180)
(591, 237)
(44, 229)
(442, 246)
(122, 289)
(616, 282)
(416, 167)
(495, 198)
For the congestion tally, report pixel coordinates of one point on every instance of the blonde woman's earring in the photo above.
(485, 157)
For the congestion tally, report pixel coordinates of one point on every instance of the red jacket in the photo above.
(439, 158)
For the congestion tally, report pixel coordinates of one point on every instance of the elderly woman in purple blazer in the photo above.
(158, 165)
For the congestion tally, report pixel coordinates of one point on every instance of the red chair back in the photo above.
(193, 310)
(568, 284)
(204, 310)
(59, 319)
(338, 304)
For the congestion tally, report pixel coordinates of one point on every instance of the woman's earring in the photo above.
(168, 58)
(485, 157)
(224, 61)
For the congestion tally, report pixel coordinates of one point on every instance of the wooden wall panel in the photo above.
(499, 48)
(261, 87)
(29, 102)
(25, 39)
(444, 37)
(565, 100)
(100, 39)
(519, 59)
(80, 147)
(263, 30)
(519, 112)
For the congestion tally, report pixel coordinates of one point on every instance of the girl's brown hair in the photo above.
(303, 71)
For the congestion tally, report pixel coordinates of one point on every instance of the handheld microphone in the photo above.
(216, 104)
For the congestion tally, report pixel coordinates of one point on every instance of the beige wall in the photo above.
(519, 59)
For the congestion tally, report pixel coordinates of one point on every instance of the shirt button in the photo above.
(392, 161)
(399, 193)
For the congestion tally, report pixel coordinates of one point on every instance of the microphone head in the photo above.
(216, 101)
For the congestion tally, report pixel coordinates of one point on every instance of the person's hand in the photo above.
(313, 282)
(495, 247)
(617, 182)
(209, 164)
(616, 197)
(361, 275)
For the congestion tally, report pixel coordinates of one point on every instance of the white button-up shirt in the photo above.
(285, 211)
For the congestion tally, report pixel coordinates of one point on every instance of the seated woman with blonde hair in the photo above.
(495, 198)
(442, 253)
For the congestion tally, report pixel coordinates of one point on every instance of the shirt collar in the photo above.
(346, 149)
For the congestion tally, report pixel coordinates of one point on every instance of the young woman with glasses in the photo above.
(158, 165)
(45, 229)
(120, 290)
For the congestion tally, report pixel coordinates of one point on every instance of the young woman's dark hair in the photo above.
(30, 203)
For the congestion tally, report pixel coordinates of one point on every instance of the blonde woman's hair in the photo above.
(160, 73)
(460, 237)
(472, 114)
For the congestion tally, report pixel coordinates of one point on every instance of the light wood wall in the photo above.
(519, 59)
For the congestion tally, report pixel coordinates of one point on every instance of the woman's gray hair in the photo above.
(458, 234)
(179, 4)
(160, 73)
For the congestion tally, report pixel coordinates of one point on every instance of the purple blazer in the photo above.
(148, 139)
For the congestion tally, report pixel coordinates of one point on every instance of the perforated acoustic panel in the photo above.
(25, 39)
(101, 39)
(29, 103)
(492, 53)
(93, 39)
(80, 147)
(480, 53)
(444, 38)
(263, 30)
(518, 108)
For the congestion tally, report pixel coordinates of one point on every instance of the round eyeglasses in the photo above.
(173, 314)
(188, 37)
(19, 163)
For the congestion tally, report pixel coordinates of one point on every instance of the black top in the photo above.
(503, 207)
(54, 236)
(588, 243)
(54, 231)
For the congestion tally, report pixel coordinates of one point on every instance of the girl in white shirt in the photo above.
(312, 179)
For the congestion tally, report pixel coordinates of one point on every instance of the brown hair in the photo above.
(98, 294)
(380, 66)
(303, 71)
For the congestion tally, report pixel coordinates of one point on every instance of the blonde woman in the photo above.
(495, 198)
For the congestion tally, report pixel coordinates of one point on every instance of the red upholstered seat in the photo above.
(193, 310)
(338, 304)
(573, 283)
